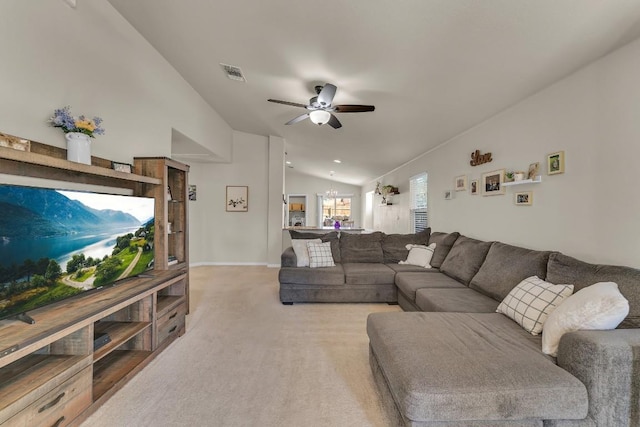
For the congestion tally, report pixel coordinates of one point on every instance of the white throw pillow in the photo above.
(532, 301)
(320, 255)
(597, 307)
(302, 253)
(419, 255)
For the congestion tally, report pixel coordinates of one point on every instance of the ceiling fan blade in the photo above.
(334, 122)
(353, 108)
(325, 97)
(297, 119)
(293, 104)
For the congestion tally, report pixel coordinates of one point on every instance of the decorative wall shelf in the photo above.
(536, 180)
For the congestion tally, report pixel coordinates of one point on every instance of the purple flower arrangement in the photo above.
(63, 119)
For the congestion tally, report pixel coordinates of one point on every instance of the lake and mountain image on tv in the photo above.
(57, 243)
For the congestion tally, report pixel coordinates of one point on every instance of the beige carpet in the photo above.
(247, 360)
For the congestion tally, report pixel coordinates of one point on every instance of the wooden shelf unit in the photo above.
(169, 241)
(49, 371)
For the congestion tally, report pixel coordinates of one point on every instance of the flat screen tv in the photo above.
(55, 244)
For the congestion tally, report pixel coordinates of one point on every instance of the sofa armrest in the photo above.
(608, 364)
(288, 258)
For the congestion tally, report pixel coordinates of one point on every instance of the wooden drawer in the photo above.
(60, 406)
(172, 323)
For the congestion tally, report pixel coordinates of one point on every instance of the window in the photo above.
(418, 202)
(338, 208)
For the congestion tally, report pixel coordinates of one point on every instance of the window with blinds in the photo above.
(418, 202)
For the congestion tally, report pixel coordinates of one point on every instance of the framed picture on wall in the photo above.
(473, 187)
(492, 183)
(461, 183)
(524, 198)
(533, 170)
(448, 194)
(555, 163)
(237, 198)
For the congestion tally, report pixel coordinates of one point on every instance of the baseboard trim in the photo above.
(202, 264)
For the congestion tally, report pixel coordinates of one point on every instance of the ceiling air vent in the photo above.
(233, 72)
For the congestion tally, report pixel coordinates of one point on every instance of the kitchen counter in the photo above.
(323, 229)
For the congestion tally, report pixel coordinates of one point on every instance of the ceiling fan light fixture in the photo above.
(319, 117)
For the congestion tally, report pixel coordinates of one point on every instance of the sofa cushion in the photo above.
(455, 300)
(312, 276)
(361, 247)
(419, 255)
(531, 301)
(564, 269)
(600, 306)
(327, 237)
(444, 242)
(466, 366)
(513, 264)
(465, 258)
(320, 255)
(394, 245)
(408, 283)
(361, 273)
(302, 251)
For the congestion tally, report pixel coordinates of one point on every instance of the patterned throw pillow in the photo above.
(301, 251)
(320, 254)
(419, 255)
(529, 303)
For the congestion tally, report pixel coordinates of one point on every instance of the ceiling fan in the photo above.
(321, 110)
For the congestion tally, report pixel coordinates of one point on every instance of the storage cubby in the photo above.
(30, 387)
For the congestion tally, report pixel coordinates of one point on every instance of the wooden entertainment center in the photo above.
(50, 374)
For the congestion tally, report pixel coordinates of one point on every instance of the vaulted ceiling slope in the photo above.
(432, 68)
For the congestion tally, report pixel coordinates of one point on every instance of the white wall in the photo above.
(91, 59)
(589, 212)
(220, 237)
(299, 183)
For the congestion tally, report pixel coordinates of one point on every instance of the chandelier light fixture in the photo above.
(331, 192)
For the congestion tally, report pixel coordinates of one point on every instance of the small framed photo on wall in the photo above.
(473, 187)
(448, 194)
(461, 183)
(524, 198)
(555, 163)
(491, 183)
(237, 198)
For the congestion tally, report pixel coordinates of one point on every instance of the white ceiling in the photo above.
(432, 68)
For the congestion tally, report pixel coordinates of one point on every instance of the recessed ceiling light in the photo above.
(288, 162)
(337, 161)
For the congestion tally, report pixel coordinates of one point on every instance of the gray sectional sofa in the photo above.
(451, 360)
(365, 270)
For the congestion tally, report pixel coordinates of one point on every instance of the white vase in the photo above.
(78, 147)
